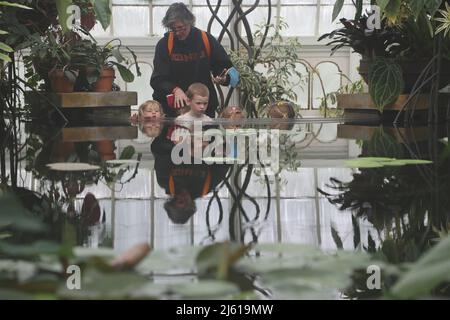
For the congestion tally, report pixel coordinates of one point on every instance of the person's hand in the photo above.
(134, 119)
(181, 99)
(221, 78)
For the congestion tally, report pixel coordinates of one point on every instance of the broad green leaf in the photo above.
(5, 58)
(382, 3)
(337, 9)
(385, 82)
(100, 285)
(218, 258)
(441, 252)
(417, 6)
(17, 5)
(127, 153)
(3, 32)
(35, 249)
(103, 12)
(205, 289)
(5, 47)
(421, 280)
(9, 294)
(63, 16)
(15, 215)
(392, 9)
(403, 162)
(126, 74)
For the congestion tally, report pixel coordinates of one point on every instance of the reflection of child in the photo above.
(281, 110)
(149, 110)
(232, 113)
(151, 129)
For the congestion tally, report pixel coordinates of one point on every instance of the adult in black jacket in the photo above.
(192, 58)
(183, 182)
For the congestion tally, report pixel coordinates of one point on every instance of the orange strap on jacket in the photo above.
(204, 39)
(206, 185)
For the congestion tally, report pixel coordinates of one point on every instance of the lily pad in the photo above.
(72, 166)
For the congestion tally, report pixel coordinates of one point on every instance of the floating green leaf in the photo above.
(205, 289)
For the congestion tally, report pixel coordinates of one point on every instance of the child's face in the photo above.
(198, 105)
(152, 129)
(151, 112)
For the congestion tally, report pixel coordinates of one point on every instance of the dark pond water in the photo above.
(291, 222)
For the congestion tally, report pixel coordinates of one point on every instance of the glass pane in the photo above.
(213, 2)
(257, 17)
(299, 2)
(302, 90)
(158, 15)
(168, 2)
(142, 84)
(131, 2)
(331, 78)
(326, 13)
(203, 15)
(98, 31)
(131, 21)
(301, 20)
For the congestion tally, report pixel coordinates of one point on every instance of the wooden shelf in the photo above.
(77, 134)
(403, 135)
(363, 101)
(83, 99)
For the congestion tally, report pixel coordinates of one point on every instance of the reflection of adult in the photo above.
(186, 55)
(185, 182)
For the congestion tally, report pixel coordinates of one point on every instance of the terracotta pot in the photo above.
(59, 81)
(105, 80)
(105, 149)
(411, 72)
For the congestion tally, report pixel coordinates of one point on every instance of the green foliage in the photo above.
(426, 274)
(330, 98)
(269, 74)
(385, 82)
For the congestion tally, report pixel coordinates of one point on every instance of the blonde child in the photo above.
(149, 110)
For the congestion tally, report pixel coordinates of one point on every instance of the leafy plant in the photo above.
(92, 58)
(385, 82)
(266, 76)
(331, 97)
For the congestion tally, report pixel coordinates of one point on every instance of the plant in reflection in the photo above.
(406, 204)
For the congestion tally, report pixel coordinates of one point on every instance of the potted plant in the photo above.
(396, 53)
(97, 63)
(278, 57)
(50, 59)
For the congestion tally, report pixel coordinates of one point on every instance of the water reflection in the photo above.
(143, 194)
(98, 190)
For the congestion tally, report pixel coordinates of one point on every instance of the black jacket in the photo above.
(189, 63)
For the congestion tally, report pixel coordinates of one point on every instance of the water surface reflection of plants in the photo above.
(407, 205)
